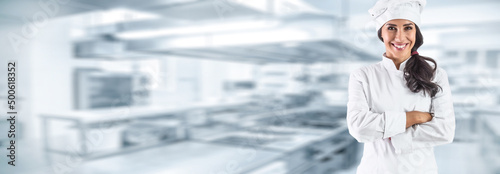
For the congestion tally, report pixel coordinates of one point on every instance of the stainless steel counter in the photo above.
(206, 156)
(83, 120)
(277, 138)
(247, 147)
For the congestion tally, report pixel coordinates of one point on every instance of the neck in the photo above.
(397, 60)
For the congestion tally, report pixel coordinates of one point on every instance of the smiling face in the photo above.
(399, 38)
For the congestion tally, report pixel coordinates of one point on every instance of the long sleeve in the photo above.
(365, 125)
(440, 130)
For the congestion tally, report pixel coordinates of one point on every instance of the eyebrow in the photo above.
(408, 24)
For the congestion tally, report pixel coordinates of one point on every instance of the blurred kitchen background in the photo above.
(225, 86)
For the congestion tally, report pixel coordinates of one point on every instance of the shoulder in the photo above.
(440, 75)
(440, 71)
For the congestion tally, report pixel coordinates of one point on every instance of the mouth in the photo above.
(399, 47)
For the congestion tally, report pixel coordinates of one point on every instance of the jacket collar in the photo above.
(389, 64)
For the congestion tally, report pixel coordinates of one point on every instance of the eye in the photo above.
(391, 28)
(408, 28)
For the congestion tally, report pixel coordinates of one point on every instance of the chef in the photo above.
(400, 107)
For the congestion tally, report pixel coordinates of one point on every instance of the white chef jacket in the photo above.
(376, 116)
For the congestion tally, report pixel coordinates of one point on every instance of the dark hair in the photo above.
(418, 73)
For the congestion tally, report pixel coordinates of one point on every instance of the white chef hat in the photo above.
(386, 10)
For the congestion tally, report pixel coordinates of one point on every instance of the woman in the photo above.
(401, 107)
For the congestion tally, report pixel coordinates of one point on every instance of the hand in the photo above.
(416, 117)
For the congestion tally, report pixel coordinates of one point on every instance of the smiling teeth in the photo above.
(402, 46)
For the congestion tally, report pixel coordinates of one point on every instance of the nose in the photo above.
(399, 36)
